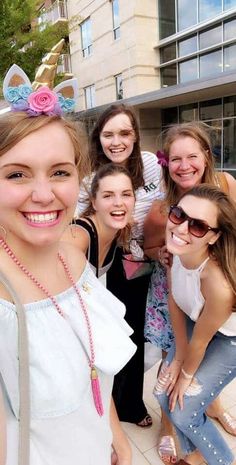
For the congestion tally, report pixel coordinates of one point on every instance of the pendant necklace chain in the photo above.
(91, 360)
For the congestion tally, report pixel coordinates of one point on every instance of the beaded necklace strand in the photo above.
(91, 360)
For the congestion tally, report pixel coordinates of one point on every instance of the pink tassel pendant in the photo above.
(96, 391)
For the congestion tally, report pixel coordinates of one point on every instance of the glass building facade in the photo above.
(197, 40)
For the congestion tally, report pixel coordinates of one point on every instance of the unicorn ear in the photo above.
(68, 88)
(15, 77)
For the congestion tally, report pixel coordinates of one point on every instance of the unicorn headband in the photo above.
(19, 93)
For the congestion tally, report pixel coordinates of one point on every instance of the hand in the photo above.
(165, 257)
(177, 395)
(167, 377)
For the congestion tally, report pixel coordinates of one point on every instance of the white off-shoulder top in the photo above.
(65, 426)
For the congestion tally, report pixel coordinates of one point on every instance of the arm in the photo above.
(154, 230)
(3, 441)
(122, 449)
(232, 185)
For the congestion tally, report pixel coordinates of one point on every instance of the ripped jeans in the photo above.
(195, 430)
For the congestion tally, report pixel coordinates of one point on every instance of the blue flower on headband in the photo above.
(67, 104)
(12, 94)
(24, 91)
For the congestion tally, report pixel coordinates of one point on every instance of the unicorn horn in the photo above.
(46, 72)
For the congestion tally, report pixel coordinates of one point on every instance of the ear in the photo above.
(68, 88)
(14, 77)
(213, 240)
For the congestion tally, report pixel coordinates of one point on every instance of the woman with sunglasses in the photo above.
(201, 236)
(187, 161)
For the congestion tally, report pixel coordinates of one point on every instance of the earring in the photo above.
(3, 233)
(210, 243)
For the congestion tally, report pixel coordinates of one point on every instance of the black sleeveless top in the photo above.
(92, 253)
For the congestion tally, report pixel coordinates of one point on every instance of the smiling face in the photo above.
(114, 202)
(117, 138)
(186, 163)
(38, 187)
(180, 241)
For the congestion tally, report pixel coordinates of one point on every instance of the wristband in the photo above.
(186, 375)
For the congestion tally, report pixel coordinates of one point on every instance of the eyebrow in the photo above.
(112, 192)
(22, 165)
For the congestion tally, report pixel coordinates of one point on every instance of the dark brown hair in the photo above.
(109, 169)
(224, 249)
(98, 158)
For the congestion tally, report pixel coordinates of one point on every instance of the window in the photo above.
(187, 16)
(210, 109)
(209, 9)
(116, 19)
(229, 29)
(230, 58)
(188, 112)
(188, 70)
(119, 86)
(169, 76)
(89, 96)
(229, 4)
(210, 37)
(187, 46)
(166, 18)
(86, 37)
(211, 63)
(168, 53)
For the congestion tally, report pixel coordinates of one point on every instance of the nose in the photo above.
(42, 192)
(118, 200)
(184, 164)
(183, 227)
(115, 139)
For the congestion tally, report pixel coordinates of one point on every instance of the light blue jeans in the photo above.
(195, 430)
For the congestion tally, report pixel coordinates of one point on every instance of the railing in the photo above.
(64, 64)
(56, 12)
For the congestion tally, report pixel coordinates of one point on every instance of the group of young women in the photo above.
(64, 337)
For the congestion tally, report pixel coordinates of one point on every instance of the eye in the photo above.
(106, 196)
(128, 194)
(15, 175)
(61, 173)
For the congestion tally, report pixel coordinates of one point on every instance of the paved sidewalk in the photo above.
(144, 441)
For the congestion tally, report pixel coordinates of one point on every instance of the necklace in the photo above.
(91, 360)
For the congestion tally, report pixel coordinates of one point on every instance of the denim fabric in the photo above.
(194, 428)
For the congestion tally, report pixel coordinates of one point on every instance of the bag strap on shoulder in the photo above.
(24, 385)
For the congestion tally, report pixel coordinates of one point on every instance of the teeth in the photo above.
(118, 213)
(117, 150)
(178, 241)
(41, 217)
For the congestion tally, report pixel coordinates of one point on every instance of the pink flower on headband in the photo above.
(163, 158)
(44, 101)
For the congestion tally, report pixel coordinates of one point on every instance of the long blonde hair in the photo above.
(224, 249)
(199, 132)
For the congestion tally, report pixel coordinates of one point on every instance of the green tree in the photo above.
(22, 41)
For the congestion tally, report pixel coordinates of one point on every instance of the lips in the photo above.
(118, 213)
(178, 241)
(41, 218)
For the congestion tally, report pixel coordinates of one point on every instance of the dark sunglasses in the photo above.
(197, 228)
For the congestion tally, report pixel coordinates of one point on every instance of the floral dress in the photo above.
(158, 329)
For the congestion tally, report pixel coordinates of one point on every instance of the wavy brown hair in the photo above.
(15, 126)
(199, 132)
(98, 158)
(110, 169)
(224, 249)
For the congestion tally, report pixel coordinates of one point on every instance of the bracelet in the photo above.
(186, 375)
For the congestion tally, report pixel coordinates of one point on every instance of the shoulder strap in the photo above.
(94, 248)
(24, 388)
(222, 182)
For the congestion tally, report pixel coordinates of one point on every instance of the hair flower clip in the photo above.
(18, 92)
(163, 158)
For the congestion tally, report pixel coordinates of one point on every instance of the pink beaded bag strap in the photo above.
(24, 389)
